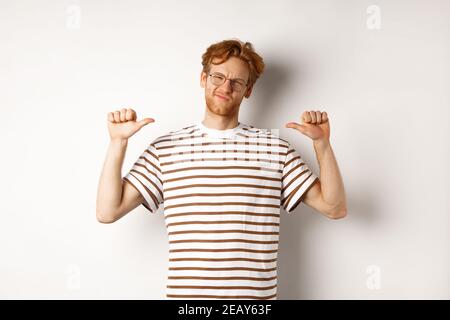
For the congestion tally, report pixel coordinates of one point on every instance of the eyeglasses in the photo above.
(218, 79)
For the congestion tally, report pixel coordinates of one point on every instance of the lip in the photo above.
(222, 97)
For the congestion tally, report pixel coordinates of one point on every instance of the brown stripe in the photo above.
(224, 240)
(181, 138)
(178, 132)
(243, 135)
(155, 201)
(261, 135)
(258, 132)
(222, 278)
(223, 287)
(304, 193)
(247, 143)
(296, 188)
(219, 160)
(146, 178)
(172, 134)
(224, 222)
(294, 179)
(222, 186)
(224, 250)
(156, 157)
(188, 127)
(146, 169)
(144, 203)
(291, 195)
(276, 215)
(293, 169)
(224, 167)
(224, 259)
(222, 231)
(218, 176)
(224, 269)
(151, 163)
(293, 159)
(250, 130)
(264, 136)
(223, 151)
(222, 204)
(200, 296)
(143, 174)
(223, 195)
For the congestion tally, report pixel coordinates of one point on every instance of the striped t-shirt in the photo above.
(221, 193)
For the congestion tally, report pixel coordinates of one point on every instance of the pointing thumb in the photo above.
(297, 126)
(144, 122)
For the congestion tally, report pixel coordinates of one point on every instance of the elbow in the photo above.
(338, 214)
(105, 218)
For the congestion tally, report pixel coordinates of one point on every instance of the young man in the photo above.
(221, 184)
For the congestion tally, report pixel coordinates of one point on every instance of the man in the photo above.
(221, 183)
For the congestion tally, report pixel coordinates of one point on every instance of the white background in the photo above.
(65, 64)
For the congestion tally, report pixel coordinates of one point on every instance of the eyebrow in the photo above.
(224, 75)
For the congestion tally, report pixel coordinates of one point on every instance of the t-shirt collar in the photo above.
(216, 133)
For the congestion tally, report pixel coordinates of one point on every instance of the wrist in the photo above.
(322, 144)
(119, 141)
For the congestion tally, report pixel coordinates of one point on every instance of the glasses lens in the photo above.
(237, 85)
(217, 79)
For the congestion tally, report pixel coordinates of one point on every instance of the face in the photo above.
(223, 99)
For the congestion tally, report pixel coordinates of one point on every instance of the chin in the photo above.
(222, 108)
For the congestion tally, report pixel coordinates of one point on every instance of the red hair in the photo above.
(226, 49)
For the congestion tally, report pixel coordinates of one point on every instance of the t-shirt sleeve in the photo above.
(297, 179)
(146, 177)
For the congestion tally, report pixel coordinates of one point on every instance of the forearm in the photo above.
(109, 194)
(332, 186)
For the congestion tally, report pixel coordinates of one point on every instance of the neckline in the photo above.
(217, 133)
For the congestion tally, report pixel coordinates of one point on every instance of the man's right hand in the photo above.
(122, 124)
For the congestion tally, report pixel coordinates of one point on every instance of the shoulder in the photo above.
(264, 133)
(173, 136)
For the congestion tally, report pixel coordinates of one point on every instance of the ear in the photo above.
(249, 92)
(203, 78)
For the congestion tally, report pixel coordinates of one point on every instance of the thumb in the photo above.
(145, 122)
(297, 126)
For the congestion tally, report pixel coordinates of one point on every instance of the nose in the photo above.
(227, 85)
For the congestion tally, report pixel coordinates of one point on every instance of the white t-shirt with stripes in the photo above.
(221, 192)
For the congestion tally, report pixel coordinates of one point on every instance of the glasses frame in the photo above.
(211, 74)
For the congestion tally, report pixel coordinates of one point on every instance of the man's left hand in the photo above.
(313, 124)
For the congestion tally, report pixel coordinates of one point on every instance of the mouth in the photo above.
(222, 97)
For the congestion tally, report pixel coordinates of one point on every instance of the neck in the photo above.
(219, 122)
